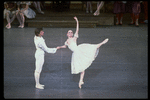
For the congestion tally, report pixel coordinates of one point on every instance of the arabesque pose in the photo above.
(83, 55)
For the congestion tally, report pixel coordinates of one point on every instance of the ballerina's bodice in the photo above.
(83, 55)
(71, 43)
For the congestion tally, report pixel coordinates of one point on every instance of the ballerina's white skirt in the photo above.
(83, 57)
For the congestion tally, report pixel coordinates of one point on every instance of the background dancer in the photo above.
(24, 10)
(10, 12)
(134, 8)
(119, 10)
(89, 6)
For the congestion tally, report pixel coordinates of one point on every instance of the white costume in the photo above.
(83, 55)
(29, 13)
(39, 56)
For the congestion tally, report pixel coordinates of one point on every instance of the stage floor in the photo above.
(119, 71)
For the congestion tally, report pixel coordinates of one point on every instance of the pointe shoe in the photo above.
(105, 41)
(39, 87)
(81, 83)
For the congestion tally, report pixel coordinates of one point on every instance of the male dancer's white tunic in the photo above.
(39, 54)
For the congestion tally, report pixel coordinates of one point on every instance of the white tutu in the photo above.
(82, 57)
(29, 13)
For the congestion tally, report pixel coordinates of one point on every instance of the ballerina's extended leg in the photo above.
(105, 41)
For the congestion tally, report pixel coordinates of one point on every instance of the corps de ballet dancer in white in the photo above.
(9, 12)
(41, 48)
(83, 55)
(24, 10)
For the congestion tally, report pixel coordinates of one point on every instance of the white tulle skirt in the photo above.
(29, 13)
(83, 57)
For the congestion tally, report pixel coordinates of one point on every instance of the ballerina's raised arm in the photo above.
(71, 33)
(77, 27)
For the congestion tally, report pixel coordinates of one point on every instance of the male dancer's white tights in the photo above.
(39, 64)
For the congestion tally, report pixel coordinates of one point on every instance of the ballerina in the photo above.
(83, 54)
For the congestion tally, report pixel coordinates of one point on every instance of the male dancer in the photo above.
(39, 55)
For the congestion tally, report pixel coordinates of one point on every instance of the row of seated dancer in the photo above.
(21, 9)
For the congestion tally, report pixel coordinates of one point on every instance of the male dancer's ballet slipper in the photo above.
(39, 87)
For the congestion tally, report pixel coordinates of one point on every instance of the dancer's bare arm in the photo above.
(59, 47)
(77, 28)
